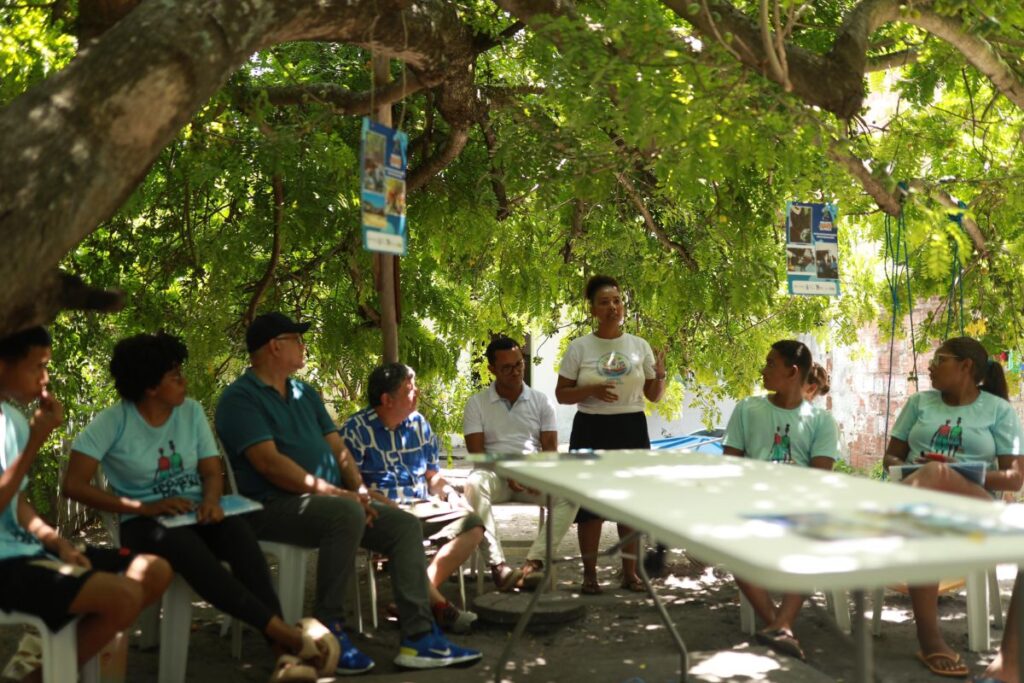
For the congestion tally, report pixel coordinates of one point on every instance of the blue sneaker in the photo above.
(352, 661)
(432, 650)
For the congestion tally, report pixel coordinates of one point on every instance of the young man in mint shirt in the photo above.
(40, 572)
(782, 427)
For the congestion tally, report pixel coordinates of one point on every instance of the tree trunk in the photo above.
(77, 145)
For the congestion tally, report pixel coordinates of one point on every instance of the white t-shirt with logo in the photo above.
(627, 361)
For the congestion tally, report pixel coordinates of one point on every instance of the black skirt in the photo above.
(607, 432)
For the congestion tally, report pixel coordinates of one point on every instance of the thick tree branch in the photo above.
(576, 229)
(436, 163)
(975, 50)
(891, 60)
(969, 225)
(275, 251)
(345, 101)
(497, 175)
(74, 147)
(872, 185)
(890, 203)
(652, 224)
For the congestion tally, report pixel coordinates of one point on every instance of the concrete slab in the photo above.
(506, 608)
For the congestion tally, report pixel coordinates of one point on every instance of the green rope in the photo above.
(897, 268)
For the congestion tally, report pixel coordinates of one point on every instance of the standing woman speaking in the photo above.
(608, 373)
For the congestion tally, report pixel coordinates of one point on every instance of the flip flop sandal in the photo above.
(291, 669)
(635, 585)
(320, 648)
(958, 670)
(782, 642)
(591, 587)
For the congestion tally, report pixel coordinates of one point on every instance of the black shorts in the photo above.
(46, 587)
(607, 432)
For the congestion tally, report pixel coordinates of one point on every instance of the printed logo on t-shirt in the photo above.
(613, 365)
(781, 448)
(170, 479)
(948, 439)
(168, 464)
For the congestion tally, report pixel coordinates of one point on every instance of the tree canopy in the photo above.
(202, 158)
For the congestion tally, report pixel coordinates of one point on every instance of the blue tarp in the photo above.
(701, 442)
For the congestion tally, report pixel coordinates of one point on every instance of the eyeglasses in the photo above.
(291, 337)
(939, 357)
(511, 368)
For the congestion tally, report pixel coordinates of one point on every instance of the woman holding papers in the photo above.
(160, 458)
(608, 373)
(964, 418)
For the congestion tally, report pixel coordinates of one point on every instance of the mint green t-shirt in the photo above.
(764, 431)
(148, 463)
(977, 432)
(15, 541)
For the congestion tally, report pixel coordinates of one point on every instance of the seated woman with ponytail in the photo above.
(965, 418)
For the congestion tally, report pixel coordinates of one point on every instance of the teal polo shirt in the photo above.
(251, 411)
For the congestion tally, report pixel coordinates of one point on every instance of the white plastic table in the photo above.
(704, 503)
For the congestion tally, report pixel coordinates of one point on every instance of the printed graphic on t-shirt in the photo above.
(781, 446)
(613, 365)
(948, 439)
(170, 479)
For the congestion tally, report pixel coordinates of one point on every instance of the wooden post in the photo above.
(386, 262)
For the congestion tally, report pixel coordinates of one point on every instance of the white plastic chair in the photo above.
(983, 601)
(836, 601)
(60, 650)
(290, 582)
(371, 579)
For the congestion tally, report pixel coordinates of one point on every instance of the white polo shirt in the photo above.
(510, 428)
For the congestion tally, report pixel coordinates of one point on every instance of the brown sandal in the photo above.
(634, 584)
(591, 587)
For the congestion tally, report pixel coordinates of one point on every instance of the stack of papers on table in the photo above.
(917, 520)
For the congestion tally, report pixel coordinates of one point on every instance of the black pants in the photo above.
(196, 552)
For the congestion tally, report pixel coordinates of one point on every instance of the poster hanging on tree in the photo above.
(812, 249)
(382, 163)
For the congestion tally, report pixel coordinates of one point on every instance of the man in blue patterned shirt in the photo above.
(397, 454)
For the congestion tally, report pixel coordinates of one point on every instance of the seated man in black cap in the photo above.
(287, 454)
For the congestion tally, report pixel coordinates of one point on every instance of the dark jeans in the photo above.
(196, 552)
(337, 527)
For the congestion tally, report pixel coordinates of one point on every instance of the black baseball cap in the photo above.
(269, 325)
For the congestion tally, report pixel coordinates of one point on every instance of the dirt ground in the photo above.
(620, 638)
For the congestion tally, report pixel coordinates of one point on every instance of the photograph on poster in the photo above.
(373, 163)
(373, 212)
(799, 260)
(827, 256)
(799, 224)
(395, 193)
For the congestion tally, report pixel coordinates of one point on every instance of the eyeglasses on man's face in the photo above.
(512, 368)
(297, 338)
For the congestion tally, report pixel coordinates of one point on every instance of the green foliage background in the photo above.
(725, 149)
